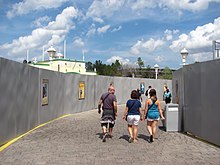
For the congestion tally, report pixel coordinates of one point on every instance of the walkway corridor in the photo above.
(76, 140)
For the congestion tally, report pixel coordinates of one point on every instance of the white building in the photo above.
(58, 63)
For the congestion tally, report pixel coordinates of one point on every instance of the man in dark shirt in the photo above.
(108, 102)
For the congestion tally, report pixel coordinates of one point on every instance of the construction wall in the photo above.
(195, 89)
(21, 106)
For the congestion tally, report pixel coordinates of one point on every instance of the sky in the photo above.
(109, 30)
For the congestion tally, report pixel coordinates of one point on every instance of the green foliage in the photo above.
(108, 70)
(140, 62)
(167, 73)
(116, 69)
(89, 66)
(148, 72)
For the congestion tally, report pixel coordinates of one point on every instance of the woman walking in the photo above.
(152, 113)
(133, 114)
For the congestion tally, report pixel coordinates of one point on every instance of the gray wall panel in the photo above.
(210, 101)
(69, 94)
(7, 100)
(198, 90)
(26, 88)
(178, 95)
(192, 82)
(20, 100)
(55, 105)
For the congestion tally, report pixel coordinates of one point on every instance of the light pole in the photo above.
(184, 53)
(51, 52)
(156, 67)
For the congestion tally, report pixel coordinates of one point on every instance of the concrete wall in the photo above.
(20, 98)
(198, 89)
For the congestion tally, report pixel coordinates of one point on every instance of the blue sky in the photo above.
(106, 30)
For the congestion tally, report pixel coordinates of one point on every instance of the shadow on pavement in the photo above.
(100, 135)
(144, 137)
(162, 128)
(125, 137)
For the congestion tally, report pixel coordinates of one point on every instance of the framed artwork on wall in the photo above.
(44, 92)
(81, 90)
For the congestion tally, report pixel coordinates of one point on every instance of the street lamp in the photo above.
(51, 52)
(184, 53)
(156, 67)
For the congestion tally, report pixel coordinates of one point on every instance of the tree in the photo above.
(24, 61)
(89, 66)
(148, 72)
(167, 73)
(99, 67)
(140, 62)
(116, 68)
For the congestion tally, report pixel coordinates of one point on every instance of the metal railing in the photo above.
(216, 49)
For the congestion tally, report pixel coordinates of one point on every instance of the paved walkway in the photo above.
(76, 140)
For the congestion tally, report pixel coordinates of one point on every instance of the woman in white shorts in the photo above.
(133, 114)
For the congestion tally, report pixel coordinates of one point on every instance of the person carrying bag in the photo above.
(133, 114)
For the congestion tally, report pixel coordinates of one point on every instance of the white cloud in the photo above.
(148, 46)
(169, 34)
(93, 30)
(27, 6)
(202, 56)
(40, 22)
(117, 29)
(99, 20)
(159, 59)
(104, 8)
(198, 39)
(121, 60)
(52, 34)
(103, 29)
(140, 4)
(190, 5)
(78, 42)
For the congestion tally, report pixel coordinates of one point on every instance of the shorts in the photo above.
(152, 116)
(133, 119)
(157, 119)
(108, 115)
(106, 125)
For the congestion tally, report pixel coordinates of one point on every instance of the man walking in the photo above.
(108, 102)
(147, 93)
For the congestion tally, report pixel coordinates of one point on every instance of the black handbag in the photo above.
(126, 117)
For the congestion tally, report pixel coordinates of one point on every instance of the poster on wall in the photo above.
(44, 91)
(81, 90)
(142, 87)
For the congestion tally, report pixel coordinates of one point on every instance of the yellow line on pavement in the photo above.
(17, 138)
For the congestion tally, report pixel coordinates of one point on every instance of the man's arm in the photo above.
(115, 107)
(99, 106)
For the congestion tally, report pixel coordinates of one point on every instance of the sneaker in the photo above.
(130, 140)
(104, 137)
(151, 138)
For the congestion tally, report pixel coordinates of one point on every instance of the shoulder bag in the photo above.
(126, 117)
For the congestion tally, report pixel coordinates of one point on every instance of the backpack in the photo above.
(167, 95)
(146, 93)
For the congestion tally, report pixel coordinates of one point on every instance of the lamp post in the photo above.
(51, 53)
(184, 53)
(156, 67)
